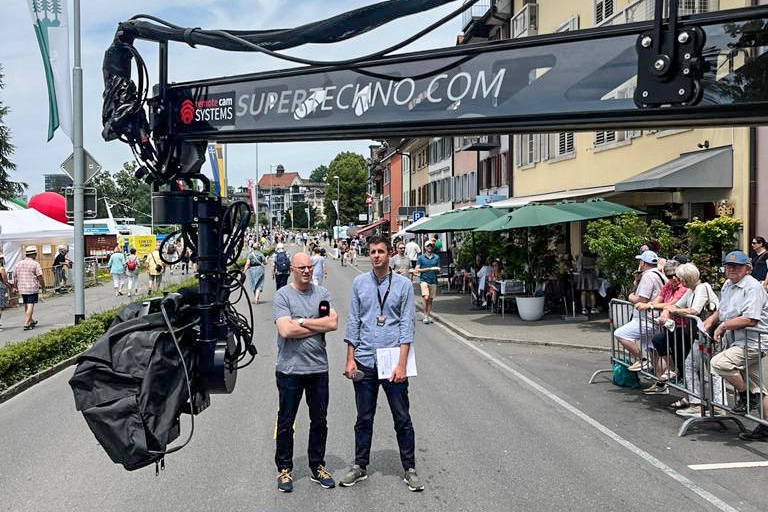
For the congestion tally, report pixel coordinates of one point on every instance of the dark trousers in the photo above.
(281, 280)
(290, 389)
(676, 344)
(366, 395)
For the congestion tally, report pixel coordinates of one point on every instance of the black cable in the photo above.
(310, 62)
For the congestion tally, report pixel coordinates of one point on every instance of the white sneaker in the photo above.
(425, 321)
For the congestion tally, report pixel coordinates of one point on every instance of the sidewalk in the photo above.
(59, 310)
(455, 312)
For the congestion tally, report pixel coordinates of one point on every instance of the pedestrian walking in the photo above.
(281, 269)
(61, 265)
(427, 266)
(399, 263)
(132, 272)
(155, 270)
(4, 286)
(254, 268)
(302, 313)
(412, 250)
(28, 280)
(116, 266)
(381, 315)
(318, 267)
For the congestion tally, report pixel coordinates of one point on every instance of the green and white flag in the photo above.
(52, 30)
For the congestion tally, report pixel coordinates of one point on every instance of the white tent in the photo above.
(20, 227)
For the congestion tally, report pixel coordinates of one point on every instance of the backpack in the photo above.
(129, 387)
(282, 263)
(131, 264)
(623, 377)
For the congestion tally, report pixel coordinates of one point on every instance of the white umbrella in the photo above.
(406, 234)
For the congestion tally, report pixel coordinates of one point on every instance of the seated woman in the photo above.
(670, 293)
(492, 295)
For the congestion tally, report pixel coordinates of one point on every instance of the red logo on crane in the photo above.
(187, 112)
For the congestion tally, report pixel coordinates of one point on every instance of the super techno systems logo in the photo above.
(214, 109)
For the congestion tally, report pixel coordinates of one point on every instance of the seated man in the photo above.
(742, 304)
(650, 282)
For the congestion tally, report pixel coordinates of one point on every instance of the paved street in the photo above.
(499, 426)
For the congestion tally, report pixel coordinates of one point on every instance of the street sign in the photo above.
(417, 215)
(89, 203)
(91, 166)
(362, 217)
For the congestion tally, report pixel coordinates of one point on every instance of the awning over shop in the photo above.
(354, 231)
(517, 202)
(711, 168)
(596, 209)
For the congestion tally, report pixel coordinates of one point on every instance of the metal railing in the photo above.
(476, 11)
(678, 355)
(643, 10)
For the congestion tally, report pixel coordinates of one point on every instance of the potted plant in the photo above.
(534, 256)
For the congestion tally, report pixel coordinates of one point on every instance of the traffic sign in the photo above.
(89, 203)
(418, 214)
(91, 166)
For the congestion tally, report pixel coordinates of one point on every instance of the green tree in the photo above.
(708, 242)
(616, 242)
(8, 189)
(127, 196)
(350, 168)
(319, 174)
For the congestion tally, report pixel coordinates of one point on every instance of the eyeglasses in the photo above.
(401, 248)
(304, 269)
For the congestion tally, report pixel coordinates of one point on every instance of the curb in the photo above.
(36, 378)
(470, 337)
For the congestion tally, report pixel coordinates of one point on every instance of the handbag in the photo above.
(623, 377)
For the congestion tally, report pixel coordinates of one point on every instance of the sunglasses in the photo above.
(755, 242)
(304, 269)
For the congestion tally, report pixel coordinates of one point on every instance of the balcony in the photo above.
(643, 10)
(526, 22)
(484, 15)
(480, 143)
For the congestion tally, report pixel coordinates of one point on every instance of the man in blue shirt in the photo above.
(381, 315)
(427, 265)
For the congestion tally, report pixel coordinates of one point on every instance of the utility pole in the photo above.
(79, 174)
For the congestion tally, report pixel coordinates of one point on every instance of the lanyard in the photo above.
(382, 301)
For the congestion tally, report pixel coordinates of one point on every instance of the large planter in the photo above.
(530, 308)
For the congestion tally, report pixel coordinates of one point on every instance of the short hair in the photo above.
(378, 239)
(760, 240)
(133, 250)
(688, 274)
(670, 266)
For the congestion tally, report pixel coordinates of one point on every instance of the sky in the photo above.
(25, 93)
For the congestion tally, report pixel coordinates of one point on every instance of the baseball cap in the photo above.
(31, 249)
(648, 257)
(736, 258)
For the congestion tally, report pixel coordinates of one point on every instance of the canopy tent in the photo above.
(465, 219)
(30, 227)
(404, 233)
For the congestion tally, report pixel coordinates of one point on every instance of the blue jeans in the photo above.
(290, 389)
(366, 396)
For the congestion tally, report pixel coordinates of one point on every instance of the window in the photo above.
(472, 186)
(387, 205)
(603, 10)
(387, 173)
(687, 7)
(528, 150)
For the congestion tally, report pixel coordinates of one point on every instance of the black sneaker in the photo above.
(759, 434)
(285, 481)
(321, 476)
(741, 402)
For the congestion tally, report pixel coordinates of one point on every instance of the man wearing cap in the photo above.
(650, 282)
(28, 279)
(426, 266)
(60, 265)
(742, 304)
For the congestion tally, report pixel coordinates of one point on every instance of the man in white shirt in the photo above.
(412, 250)
(650, 284)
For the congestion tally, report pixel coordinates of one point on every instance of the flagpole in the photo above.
(79, 174)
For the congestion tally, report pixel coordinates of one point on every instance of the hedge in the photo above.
(26, 358)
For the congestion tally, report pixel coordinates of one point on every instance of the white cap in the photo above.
(648, 257)
(31, 249)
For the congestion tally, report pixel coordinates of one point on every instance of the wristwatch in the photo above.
(301, 322)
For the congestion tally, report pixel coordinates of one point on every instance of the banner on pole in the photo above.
(218, 168)
(49, 18)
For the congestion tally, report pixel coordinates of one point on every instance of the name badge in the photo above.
(380, 320)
